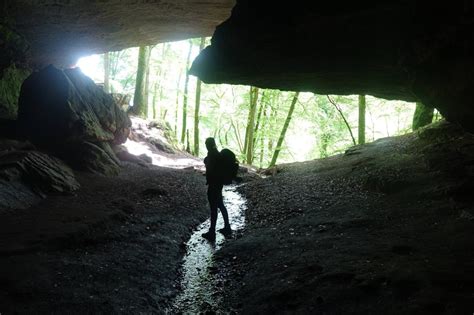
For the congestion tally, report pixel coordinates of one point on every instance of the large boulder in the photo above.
(26, 176)
(65, 112)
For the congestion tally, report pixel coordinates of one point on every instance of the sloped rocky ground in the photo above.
(114, 247)
(385, 228)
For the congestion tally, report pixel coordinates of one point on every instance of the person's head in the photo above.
(211, 144)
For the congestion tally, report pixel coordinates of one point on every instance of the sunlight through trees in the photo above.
(262, 126)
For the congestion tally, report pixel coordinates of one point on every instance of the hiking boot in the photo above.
(226, 231)
(210, 236)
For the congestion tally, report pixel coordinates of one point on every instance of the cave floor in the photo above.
(386, 228)
(114, 247)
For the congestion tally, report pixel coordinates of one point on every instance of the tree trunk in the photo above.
(247, 129)
(343, 118)
(283, 131)
(423, 116)
(251, 123)
(176, 113)
(146, 94)
(362, 119)
(155, 90)
(197, 105)
(188, 145)
(262, 136)
(237, 135)
(272, 119)
(259, 116)
(139, 97)
(106, 72)
(185, 97)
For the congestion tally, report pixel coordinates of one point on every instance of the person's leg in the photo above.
(213, 198)
(221, 206)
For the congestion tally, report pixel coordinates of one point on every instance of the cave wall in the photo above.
(10, 84)
(408, 50)
(61, 31)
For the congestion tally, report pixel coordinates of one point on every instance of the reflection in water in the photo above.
(198, 291)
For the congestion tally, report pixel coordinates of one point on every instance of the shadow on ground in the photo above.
(385, 228)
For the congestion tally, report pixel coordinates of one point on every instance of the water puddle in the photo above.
(198, 290)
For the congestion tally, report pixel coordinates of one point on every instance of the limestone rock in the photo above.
(96, 158)
(408, 50)
(61, 31)
(59, 106)
(26, 176)
(10, 84)
(66, 113)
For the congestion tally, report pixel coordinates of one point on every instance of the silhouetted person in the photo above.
(214, 190)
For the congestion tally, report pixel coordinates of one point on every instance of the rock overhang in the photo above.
(407, 50)
(61, 31)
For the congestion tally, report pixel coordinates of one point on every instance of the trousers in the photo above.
(214, 196)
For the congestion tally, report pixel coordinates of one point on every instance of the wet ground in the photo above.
(200, 292)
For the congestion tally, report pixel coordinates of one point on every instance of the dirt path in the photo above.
(386, 228)
(114, 247)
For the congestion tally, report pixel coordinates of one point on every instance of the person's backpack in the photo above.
(229, 166)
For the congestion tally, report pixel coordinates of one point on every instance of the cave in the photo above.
(89, 226)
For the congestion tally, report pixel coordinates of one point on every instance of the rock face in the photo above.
(26, 175)
(59, 31)
(64, 112)
(409, 50)
(10, 84)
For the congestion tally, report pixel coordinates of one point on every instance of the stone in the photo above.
(393, 50)
(122, 100)
(61, 31)
(64, 112)
(72, 109)
(27, 176)
(10, 84)
(14, 48)
(123, 155)
(97, 158)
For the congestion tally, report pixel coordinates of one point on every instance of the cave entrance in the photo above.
(153, 84)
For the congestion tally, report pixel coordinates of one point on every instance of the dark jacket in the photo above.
(212, 168)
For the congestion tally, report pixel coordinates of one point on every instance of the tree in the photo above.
(249, 134)
(176, 113)
(423, 116)
(185, 95)
(361, 119)
(106, 72)
(343, 118)
(146, 92)
(197, 105)
(283, 131)
(140, 98)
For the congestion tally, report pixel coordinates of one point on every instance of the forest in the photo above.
(262, 126)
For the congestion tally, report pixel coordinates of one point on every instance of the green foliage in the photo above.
(423, 116)
(316, 129)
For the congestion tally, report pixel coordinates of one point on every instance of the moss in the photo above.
(10, 85)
